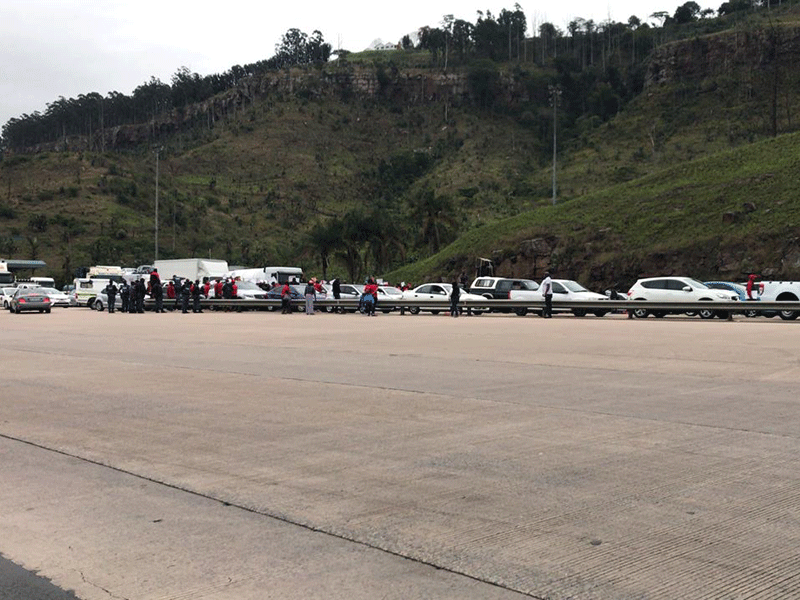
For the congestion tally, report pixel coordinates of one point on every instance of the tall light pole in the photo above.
(155, 253)
(555, 94)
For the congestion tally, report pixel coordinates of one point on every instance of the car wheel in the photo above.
(17, 310)
(640, 313)
(98, 306)
(579, 312)
(788, 315)
(521, 312)
(750, 314)
(414, 310)
(691, 313)
(706, 313)
(600, 313)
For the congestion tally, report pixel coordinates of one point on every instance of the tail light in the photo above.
(46, 299)
(22, 300)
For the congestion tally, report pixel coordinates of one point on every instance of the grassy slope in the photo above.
(677, 209)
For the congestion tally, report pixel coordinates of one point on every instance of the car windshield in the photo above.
(574, 286)
(49, 290)
(247, 285)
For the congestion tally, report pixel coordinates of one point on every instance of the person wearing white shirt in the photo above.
(547, 291)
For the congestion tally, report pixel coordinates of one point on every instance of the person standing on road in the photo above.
(751, 281)
(455, 294)
(547, 292)
(370, 297)
(286, 299)
(196, 293)
(125, 295)
(158, 295)
(111, 291)
(172, 296)
(337, 289)
(311, 295)
(141, 291)
(186, 290)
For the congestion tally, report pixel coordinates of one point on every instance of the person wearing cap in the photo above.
(547, 291)
(311, 295)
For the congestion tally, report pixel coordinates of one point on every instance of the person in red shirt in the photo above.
(371, 289)
(218, 289)
(750, 284)
(286, 299)
(171, 295)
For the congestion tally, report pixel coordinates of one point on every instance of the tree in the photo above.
(687, 12)
(436, 217)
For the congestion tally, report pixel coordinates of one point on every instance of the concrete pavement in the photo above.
(260, 455)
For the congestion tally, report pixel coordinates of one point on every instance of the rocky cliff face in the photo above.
(742, 52)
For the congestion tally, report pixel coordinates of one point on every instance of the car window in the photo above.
(574, 286)
(675, 284)
(696, 284)
(438, 290)
(482, 283)
(425, 289)
(504, 285)
(558, 288)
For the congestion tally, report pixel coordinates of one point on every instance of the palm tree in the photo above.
(436, 215)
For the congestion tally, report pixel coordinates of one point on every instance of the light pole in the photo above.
(155, 253)
(555, 94)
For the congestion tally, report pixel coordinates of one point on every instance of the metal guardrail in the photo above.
(500, 305)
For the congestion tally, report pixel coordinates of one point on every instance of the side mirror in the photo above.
(687, 289)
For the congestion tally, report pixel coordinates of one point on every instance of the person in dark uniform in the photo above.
(125, 295)
(196, 293)
(132, 300)
(141, 291)
(111, 292)
(186, 290)
(454, 296)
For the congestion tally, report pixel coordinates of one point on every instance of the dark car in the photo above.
(29, 299)
(275, 294)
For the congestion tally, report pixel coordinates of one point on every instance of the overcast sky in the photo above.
(52, 48)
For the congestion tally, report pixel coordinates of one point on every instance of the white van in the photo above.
(86, 291)
(44, 281)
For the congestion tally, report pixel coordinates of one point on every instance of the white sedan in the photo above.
(564, 290)
(438, 291)
(7, 292)
(57, 298)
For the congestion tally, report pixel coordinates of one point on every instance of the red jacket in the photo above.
(171, 291)
(371, 288)
(218, 289)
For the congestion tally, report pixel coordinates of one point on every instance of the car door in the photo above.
(560, 293)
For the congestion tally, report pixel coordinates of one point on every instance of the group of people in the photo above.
(179, 292)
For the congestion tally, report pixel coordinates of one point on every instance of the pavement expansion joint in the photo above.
(262, 513)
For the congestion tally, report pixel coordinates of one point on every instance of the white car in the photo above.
(247, 290)
(438, 291)
(564, 290)
(347, 291)
(678, 289)
(56, 298)
(6, 294)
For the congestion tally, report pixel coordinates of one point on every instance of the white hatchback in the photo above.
(678, 289)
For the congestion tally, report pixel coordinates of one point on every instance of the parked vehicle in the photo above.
(269, 274)
(741, 291)
(781, 291)
(86, 290)
(6, 293)
(564, 290)
(247, 290)
(6, 276)
(677, 289)
(28, 300)
(193, 269)
(56, 298)
(499, 287)
(275, 294)
(437, 291)
(101, 301)
(347, 291)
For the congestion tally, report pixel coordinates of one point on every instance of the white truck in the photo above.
(194, 269)
(781, 291)
(269, 274)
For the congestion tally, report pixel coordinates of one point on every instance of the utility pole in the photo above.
(155, 253)
(555, 94)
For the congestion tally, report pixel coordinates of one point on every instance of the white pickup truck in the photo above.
(781, 291)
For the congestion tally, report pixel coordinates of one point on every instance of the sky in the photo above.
(53, 48)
